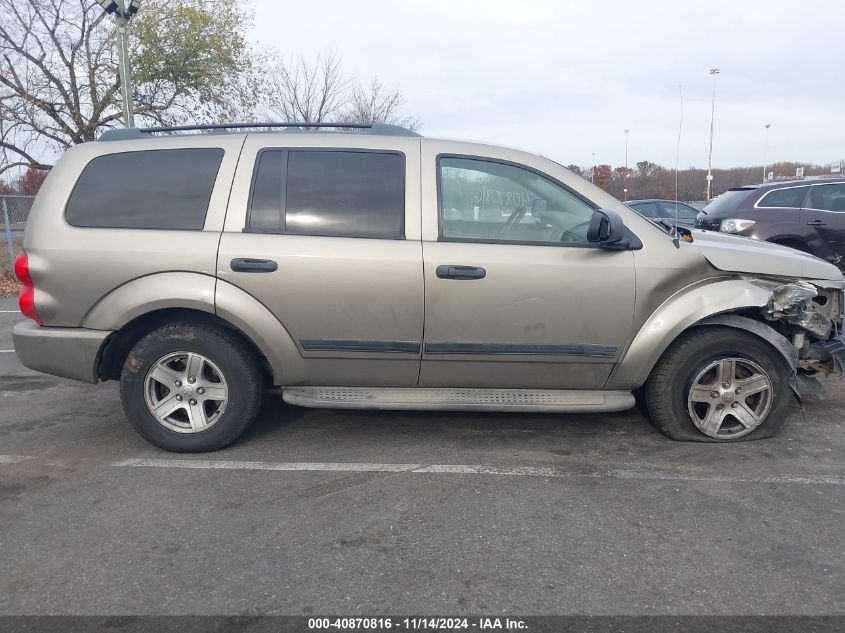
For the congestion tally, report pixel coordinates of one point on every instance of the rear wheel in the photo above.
(191, 387)
(719, 385)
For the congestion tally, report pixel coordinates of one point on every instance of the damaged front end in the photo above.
(810, 315)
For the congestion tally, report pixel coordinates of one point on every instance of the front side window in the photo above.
(150, 189)
(791, 197)
(343, 193)
(828, 197)
(484, 200)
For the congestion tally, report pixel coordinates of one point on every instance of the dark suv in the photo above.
(806, 215)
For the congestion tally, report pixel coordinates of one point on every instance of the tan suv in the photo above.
(372, 268)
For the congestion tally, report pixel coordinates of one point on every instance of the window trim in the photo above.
(480, 240)
(284, 184)
(144, 228)
(757, 204)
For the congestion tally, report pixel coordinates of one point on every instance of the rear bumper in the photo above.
(67, 352)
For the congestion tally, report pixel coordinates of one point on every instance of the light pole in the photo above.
(593, 170)
(766, 151)
(625, 176)
(714, 72)
(123, 11)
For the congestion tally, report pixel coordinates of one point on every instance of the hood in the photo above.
(744, 255)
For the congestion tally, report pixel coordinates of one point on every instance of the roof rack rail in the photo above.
(377, 129)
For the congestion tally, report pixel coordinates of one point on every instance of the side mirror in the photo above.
(607, 228)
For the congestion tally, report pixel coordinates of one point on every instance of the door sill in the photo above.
(438, 399)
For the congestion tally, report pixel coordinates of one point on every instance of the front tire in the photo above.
(190, 387)
(719, 384)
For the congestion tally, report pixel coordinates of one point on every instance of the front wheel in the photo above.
(191, 387)
(719, 385)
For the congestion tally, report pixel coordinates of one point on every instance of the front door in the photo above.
(823, 217)
(515, 296)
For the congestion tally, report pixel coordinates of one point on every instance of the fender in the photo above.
(206, 294)
(680, 311)
(256, 321)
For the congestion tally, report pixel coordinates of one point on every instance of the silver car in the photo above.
(370, 267)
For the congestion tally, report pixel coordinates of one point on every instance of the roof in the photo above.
(823, 180)
(376, 129)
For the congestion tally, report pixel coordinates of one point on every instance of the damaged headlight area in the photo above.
(811, 314)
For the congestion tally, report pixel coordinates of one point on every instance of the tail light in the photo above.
(26, 300)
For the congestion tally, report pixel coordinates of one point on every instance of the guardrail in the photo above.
(14, 213)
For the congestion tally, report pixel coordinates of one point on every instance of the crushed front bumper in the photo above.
(66, 352)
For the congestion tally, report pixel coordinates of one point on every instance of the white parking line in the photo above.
(10, 311)
(13, 459)
(6, 351)
(479, 469)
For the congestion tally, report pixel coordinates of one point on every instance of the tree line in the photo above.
(650, 180)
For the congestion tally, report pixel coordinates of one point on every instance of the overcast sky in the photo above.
(566, 78)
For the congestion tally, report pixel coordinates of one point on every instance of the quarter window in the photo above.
(151, 189)
(828, 197)
(330, 193)
(487, 201)
(791, 197)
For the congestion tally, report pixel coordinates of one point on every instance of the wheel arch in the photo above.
(727, 302)
(143, 304)
(792, 241)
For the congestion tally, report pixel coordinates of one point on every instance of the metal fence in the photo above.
(14, 213)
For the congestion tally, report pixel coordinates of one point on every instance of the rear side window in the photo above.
(728, 201)
(779, 198)
(329, 192)
(151, 189)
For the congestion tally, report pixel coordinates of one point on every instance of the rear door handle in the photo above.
(816, 223)
(449, 271)
(246, 265)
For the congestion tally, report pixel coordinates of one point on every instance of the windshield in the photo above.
(728, 201)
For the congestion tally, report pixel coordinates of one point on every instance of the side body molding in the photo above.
(683, 309)
(252, 318)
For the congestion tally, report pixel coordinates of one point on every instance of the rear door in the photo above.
(338, 218)
(823, 218)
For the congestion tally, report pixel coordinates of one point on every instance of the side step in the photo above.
(436, 399)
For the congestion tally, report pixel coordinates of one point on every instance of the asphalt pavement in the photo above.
(322, 511)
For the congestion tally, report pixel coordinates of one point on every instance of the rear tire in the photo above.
(689, 398)
(191, 386)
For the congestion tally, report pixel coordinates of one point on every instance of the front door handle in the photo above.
(816, 223)
(449, 271)
(247, 265)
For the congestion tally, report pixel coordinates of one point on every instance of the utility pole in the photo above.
(766, 151)
(123, 11)
(593, 170)
(625, 177)
(715, 73)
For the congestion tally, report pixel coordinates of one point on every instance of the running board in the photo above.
(528, 400)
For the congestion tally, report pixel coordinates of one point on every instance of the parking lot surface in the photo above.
(321, 511)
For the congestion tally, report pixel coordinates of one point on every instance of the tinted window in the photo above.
(828, 197)
(728, 201)
(490, 201)
(685, 212)
(345, 193)
(154, 189)
(265, 210)
(647, 209)
(791, 197)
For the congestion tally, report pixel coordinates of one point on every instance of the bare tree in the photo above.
(320, 92)
(58, 70)
(303, 91)
(377, 104)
